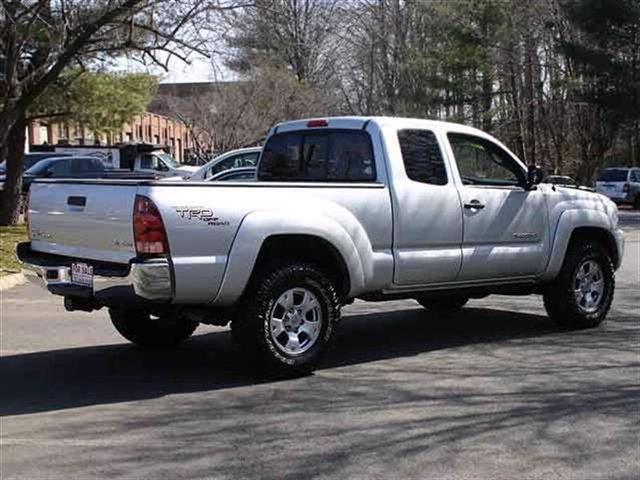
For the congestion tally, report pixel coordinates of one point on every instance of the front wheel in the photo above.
(581, 295)
(150, 331)
(288, 320)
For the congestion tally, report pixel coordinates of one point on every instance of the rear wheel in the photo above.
(449, 303)
(581, 295)
(288, 320)
(147, 330)
(636, 202)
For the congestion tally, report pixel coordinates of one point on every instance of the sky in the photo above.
(198, 70)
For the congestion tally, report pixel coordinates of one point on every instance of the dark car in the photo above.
(30, 159)
(62, 167)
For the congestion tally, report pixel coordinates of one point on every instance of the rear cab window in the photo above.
(318, 156)
(422, 157)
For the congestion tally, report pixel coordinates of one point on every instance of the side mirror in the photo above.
(534, 176)
(48, 173)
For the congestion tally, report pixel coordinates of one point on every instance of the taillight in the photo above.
(148, 228)
(625, 189)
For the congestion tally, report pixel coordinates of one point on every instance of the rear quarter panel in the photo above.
(209, 241)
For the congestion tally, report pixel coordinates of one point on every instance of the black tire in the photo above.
(449, 303)
(139, 327)
(636, 202)
(251, 325)
(560, 298)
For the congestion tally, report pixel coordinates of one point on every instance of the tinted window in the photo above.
(613, 175)
(60, 168)
(39, 167)
(422, 157)
(81, 166)
(481, 162)
(634, 176)
(30, 159)
(318, 156)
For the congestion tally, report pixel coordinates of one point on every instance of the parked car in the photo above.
(243, 157)
(75, 167)
(560, 180)
(143, 158)
(243, 174)
(343, 208)
(622, 185)
(30, 159)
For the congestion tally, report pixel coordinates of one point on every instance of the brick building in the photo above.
(147, 128)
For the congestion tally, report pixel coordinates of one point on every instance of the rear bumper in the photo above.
(140, 281)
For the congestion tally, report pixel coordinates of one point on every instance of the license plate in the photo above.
(82, 274)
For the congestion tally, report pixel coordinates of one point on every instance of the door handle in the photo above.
(76, 201)
(474, 205)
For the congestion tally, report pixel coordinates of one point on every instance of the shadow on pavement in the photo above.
(60, 379)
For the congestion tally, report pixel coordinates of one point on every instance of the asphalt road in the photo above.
(495, 392)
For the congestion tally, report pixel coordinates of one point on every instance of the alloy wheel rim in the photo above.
(588, 286)
(295, 321)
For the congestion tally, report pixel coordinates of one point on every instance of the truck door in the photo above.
(505, 225)
(427, 213)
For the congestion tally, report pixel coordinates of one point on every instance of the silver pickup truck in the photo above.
(344, 208)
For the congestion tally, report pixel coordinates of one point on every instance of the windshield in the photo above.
(613, 175)
(39, 167)
(168, 159)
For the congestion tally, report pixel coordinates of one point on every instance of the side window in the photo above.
(481, 162)
(634, 176)
(320, 156)
(249, 160)
(223, 165)
(60, 168)
(152, 162)
(422, 158)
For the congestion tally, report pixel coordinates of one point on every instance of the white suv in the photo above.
(622, 185)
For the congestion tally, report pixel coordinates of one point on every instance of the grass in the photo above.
(9, 237)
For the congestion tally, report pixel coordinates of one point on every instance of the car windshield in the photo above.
(613, 175)
(168, 159)
(39, 167)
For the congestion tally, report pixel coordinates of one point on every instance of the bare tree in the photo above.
(227, 115)
(41, 38)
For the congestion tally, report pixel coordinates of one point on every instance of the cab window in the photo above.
(482, 162)
(422, 158)
(318, 156)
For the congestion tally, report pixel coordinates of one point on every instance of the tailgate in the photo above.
(83, 220)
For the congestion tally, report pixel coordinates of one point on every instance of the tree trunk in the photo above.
(10, 195)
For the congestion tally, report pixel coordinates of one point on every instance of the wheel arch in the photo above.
(576, 225)
(306, 247)
(291, 234)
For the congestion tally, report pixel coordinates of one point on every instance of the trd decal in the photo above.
(203, 214)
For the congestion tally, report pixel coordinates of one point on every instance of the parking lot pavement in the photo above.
(494, 392)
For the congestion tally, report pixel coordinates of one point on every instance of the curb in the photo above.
(10, 281)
